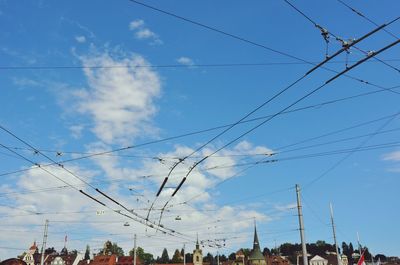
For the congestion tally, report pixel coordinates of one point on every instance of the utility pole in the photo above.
(46, 226)
(184, 255)
(134, 249)
(217, 257)
(334, 236)
(301, 224)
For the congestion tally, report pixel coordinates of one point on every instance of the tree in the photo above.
(177, 258)
(266, 251)
(223, 258)
(49, 251)
(232, 256)
(87, 253)
(112, 248)
(345, 249)
(145, 258)
(367, 255)
(189, 258)
(381, 257)
(209, 258)
(164, 256)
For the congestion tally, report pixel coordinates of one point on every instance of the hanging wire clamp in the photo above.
(325, 34)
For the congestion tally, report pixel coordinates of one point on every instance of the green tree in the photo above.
(382, 257)
(266, 251)
(232, 256)
(164, 256)
(112, 248)
(144, 257)
(189, 258)
(176, 258)
(87, 253)
(345, 249)
(209, 258)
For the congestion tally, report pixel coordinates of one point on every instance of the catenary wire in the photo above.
(287, 107)
(265, 103)
(109, 152)
(345, 44)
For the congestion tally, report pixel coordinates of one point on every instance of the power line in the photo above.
(242, 39)
(281, 149)
(110, 152)
(326, 34)
(287, 107)
(265, 103)
(358, 147)
(365, 17)
(210, 65)
(152, 225)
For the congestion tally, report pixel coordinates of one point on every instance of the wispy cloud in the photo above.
(136, 24)
(185, 61)
(141, 32)
(393, 156)
(119, 100)
(80, 39)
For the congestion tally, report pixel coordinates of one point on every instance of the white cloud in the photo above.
(119, 100)
(76, 131)
(25, 82)
(136, 24)
(144, 33)
(185, 61)
(394, 156)
(80, 39)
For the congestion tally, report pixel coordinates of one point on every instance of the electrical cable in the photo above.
(169, 231)
(287, 107)
(358, 147)
(265, 103)
(110, 152)
(365, 17)
(215, 65)
(346, 45)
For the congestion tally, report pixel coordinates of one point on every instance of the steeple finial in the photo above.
(256, 244)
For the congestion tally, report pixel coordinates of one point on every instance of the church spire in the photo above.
(197, 242)
(256, 244)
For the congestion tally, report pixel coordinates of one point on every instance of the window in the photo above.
(197, 258)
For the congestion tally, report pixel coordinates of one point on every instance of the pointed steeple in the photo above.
(256, 244)
(197, 242)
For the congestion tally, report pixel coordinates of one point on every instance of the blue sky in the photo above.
(200, 79)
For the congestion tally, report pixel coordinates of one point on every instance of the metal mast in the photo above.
(334, 235)
(46, 226)
(301, 224)
(184, 255)
(134, 249)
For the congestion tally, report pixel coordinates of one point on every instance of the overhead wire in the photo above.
(165, 230)
(262, 105)
(289, 106)
(345, 44)
(360, 146)
(365, 17)
(113, 151)
(245, 40)
(192, 66)
(334, 152)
